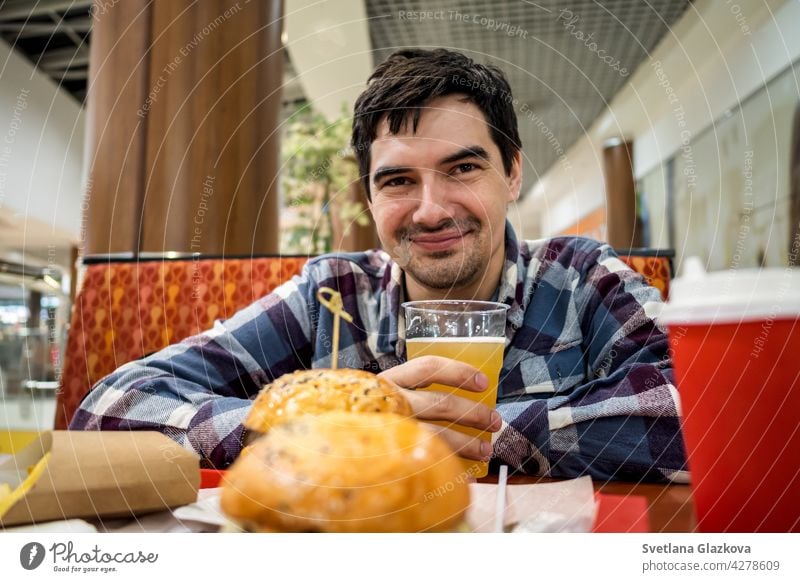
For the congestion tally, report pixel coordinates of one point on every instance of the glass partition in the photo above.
(34, 313)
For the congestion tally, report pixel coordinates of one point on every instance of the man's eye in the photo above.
(465, 168)
(401, 181)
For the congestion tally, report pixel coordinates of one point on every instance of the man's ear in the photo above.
(514, 179)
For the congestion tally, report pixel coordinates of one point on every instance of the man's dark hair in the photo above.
(402, 84)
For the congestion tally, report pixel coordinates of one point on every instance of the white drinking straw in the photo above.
(500, 507)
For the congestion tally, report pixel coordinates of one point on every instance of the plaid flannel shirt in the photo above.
(586, 385)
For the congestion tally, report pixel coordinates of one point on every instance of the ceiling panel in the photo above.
(560, 82)
(54, 36)
(552, 52)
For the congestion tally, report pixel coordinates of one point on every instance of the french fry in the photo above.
(8, 497)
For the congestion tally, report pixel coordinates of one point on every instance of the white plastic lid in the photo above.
(732, 296)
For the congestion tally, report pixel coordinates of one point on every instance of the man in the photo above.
(586, 385)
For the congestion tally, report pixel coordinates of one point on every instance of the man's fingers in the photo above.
(466, 446)
(427, 370)
(430, 405)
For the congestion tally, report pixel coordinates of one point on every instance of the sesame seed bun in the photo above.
(317, 391)
(347, 472)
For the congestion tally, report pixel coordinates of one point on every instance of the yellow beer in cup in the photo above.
(472, 332)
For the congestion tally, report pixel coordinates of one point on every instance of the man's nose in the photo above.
(431, 209)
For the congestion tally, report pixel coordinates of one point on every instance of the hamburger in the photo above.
(347, 472)
(317, 391)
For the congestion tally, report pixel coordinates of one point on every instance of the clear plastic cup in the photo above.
(472, 332)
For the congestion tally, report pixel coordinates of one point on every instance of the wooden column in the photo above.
(620, 195)
(115, 137)
(346, 234)
(197, 170)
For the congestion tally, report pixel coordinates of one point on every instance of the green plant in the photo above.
(318, 167)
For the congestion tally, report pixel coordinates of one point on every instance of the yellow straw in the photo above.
(333, 301)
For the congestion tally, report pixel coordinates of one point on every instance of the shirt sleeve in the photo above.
(623, 422)
(198, 391)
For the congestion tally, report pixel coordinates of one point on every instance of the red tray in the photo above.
(621, 514)
(210, 478)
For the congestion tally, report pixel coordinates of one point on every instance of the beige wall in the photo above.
(731, 185)
(41, 160)
(713, 69)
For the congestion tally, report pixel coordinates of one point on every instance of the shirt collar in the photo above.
(512, 282)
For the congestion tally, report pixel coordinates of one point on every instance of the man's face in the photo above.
(439, 196)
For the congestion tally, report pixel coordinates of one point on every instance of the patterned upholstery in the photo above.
(657, 270)
(127, 310)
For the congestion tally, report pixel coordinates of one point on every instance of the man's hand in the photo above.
(429, 405)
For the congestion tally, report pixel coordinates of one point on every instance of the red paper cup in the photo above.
(735, 339)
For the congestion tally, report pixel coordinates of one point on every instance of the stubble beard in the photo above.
(453, 268)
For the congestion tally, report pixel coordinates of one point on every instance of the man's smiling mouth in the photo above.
(440, 241)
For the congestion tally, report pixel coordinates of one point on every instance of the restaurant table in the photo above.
(670, 508)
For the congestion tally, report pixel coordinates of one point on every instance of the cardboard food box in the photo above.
(76, 474)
